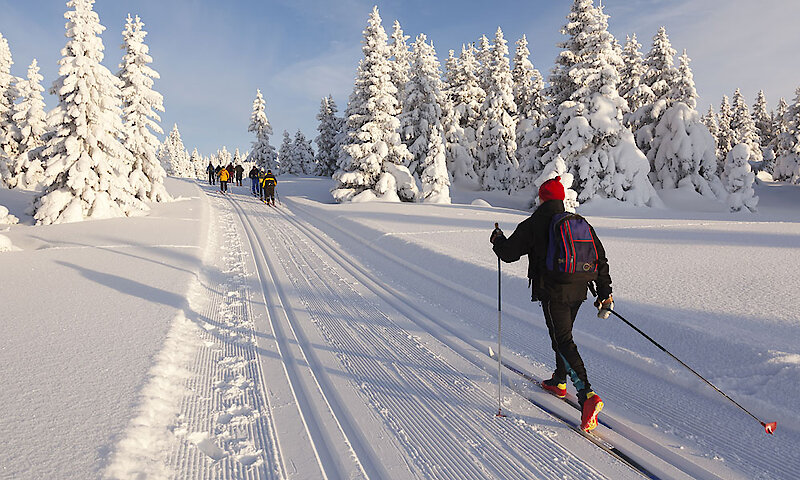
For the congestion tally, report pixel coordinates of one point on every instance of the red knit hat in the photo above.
(551, 190)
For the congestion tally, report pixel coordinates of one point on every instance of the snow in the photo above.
(218, 337)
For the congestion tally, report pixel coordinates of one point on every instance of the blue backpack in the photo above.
(571, 253)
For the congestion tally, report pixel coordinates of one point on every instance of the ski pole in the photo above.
(768, 427)
(499, 330)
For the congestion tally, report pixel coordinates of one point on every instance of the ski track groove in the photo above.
(431, 382)
(327, 456)
(758, 463)
(225, 400)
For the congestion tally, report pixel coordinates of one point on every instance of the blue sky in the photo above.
(213, 55)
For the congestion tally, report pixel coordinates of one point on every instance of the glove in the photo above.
(496, 233)
(604, 307)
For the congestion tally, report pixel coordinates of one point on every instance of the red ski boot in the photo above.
(556, 387)
(591, 404)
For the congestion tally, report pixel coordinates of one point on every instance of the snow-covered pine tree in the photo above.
(528, 87)
(374, 157)
(400, 58)
(726, 138)
(778, 127)
(497, 143)
(762, 120)
(739, 178)
(198, 165)
(224, 157)
(744, 128)
(31, 125)
(139, 106)
(422, 110)
(8, 95)
(458, 159)
(86, 175)
(683, 150)
(435, 179)
(660, 77)
(329, 128)
(304, 155)
(631, 87)
(461, 117)
(483, 54)
(586, 128)
(173, 155)
(286, 155)
(787, 164)
(263, 154)
(237, 158)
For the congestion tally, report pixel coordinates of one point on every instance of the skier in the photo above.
(239, 173)
(268, 188)
(253, 176)
(560, 296)
(224, 176)
(212, 174)
(262, 174)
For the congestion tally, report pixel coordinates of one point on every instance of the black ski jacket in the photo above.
(530, 238)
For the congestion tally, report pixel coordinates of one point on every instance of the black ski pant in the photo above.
(211, 178)
(560, 317)
(223, 185)
(268, 193)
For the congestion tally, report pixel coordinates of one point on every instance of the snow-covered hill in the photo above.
(222, 338)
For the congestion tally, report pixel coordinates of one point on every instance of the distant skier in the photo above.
(253, 176)
(561, 293)
(268, 188)
(212, 174)
(262, 174)
(224, 176)
(239, 169)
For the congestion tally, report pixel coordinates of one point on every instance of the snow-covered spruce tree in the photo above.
(329, 128)
(726, 138)
(483, 54)
(422, 110)
(31, 125)
(139, 106)
(787, 164)
(374, 157)
(744, 128)
(739, 179)
(237, 158)
(199, 165)
(8, 95)
(497, 143)
(465, 97)
(762, 120)
(224, 157)
(435, 179)
(586, 128)
(683, 150)
(400, 58)
(660, 77)
(528, 86)
(86, 175)
(286, 156)
(779, 126)
(173, 155)
(263, 154)
(631, 87)
(304, 155)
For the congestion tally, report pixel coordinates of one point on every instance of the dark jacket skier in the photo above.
(212, 174)
(239, 169)
(560, 301)
(268, 183)
(253, 176)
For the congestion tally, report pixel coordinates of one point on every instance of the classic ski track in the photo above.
(426, 382)
(659, 451)
(752, 462)
(229, 350)
(329, 458)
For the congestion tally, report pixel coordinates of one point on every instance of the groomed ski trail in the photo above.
(376, 373)
(679, 419)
